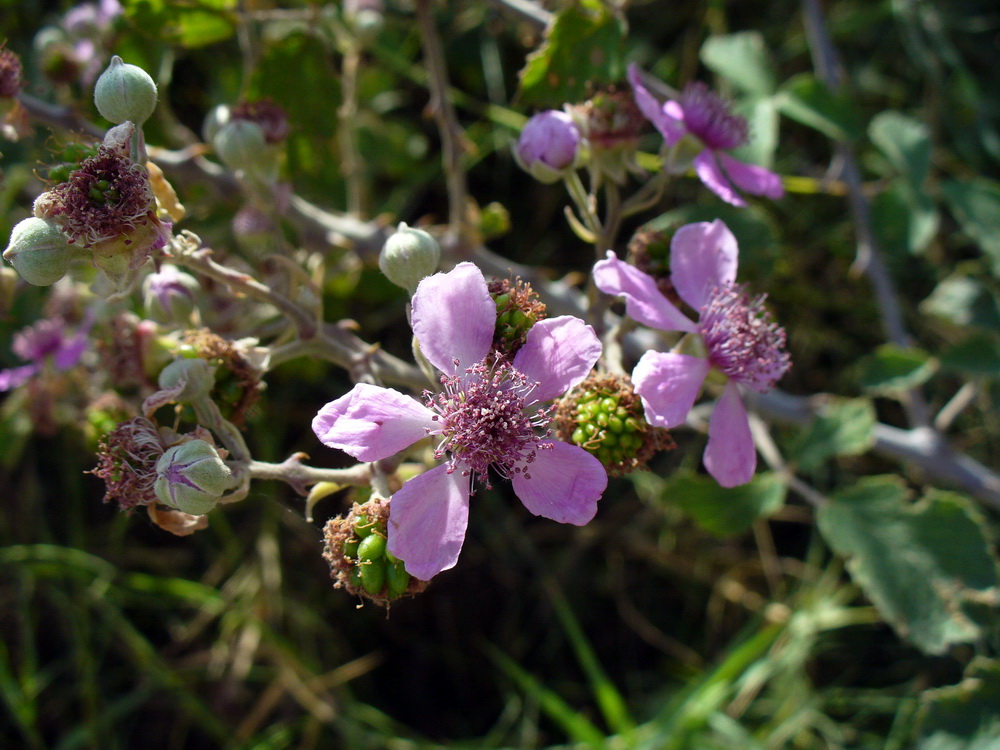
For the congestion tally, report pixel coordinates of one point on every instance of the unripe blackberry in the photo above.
(359, 561)
(518, 309)
(605, 417)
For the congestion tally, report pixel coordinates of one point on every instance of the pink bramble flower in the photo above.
(47, 341)
(489, 414)
(742, 342)
(700, 122)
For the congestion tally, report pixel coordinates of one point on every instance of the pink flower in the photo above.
(487, 415)
(46, 340)
(706, 117)
(741, 340)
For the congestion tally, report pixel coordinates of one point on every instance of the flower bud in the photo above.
(217, 118)
(241, 145)
(125, 92)
(196, 375)
(549, 145)
(168, 295)
(191, 477)
(408, 256)
(38, 250)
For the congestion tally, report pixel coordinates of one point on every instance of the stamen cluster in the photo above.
(742, 339)
(484, 421)
(126, 461)
(708, 116)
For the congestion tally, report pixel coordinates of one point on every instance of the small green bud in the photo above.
(241, 145)
(197, 375)
(397, 579)
(373, 576)
(191, 477)
(168, 295)
(125, 93)
(372, 547)
(408, 256)
(39, 252)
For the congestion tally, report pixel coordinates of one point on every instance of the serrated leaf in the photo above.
(191, 24)
(965, 716)
(721, 511)
(742, 59)
(964, 301)
(843, 427)
(583, 45)
(976, 206)
(978, 355)
(905, 141)
(892, 369)
(926, 566)
(807, 100)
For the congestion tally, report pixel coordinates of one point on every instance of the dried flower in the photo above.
(126, 461)
(11, 74)
(742, 342)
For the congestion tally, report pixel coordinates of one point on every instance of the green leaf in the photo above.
(892, 369)
(762, 116)
(721, 511)
(976, 206)
(843, 428)
(583, 45)
(926, 566)
(742, 59)
(965, 716)
(965, 301)
(905, 218)
(978, 355)
(807, 100)
(192, 24)
(906, 142)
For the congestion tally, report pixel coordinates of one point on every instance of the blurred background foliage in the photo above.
(683, 616)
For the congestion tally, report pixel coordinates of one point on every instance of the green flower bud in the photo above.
(125, 93)
(196, 374)
(408, 256)
(39, 252)
(241, 145)
(217, 118)
(191, 477)
(168, 295)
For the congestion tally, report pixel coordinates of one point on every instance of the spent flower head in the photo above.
(126, 461)
(698, 128)
(741, 340)
(490, 414)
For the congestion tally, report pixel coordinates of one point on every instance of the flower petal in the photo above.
(671, 128)
(668, 385)
(15, 376)
(371, 423)
(558, 353)
(427, 521)
(563, 483)
(708, 171)
(453, 317)
(752, 179)
(644, 302)
(730, 455)
(703, 256)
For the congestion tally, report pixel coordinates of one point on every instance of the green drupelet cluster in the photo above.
(374, 568)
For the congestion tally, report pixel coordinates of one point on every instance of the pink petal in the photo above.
(644, 302)
(563, 483)
(660, 115)
(371, 423)
(668, 385)
(15, 376)
(427, 521)
(703, 256)
(708, 171)
(730, 455)
(453, 317)
(752, 179)
(558, 353)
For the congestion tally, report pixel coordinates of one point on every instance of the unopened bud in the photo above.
(125, 92)
(197, 376)
(39, 252)
(168, 295)
(548, 146)
(241, 145)
(191, 477)
(408, 256)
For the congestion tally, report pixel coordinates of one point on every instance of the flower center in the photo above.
(485, 421)
(707, 115)
(742, 339)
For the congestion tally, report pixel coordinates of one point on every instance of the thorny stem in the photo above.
(299, 476)
(447, 121)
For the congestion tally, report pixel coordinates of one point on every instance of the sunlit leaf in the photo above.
(843, 427)
(892, 369)
(190, 24)
(806, 99)
(742, 59)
